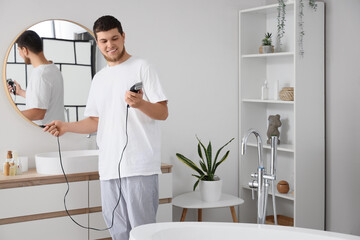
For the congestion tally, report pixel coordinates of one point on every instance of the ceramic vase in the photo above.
(266, 49)
(210, 191)
(283, 187)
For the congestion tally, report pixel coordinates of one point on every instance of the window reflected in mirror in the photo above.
(72, 48)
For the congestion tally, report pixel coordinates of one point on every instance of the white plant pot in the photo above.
(267, 49)
(210, 191)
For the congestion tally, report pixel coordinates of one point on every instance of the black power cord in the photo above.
(68, 186)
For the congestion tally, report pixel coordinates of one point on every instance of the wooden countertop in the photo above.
(32, 178)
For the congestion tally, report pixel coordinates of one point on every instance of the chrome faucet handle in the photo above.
(253, 184)
(270, 177)
(254, 175)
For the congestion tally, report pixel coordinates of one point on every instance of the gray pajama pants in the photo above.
(138, 204)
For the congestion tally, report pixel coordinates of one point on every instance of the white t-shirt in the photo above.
(45, 90)
(107, 101)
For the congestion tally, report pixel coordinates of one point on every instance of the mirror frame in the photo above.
(7, 56)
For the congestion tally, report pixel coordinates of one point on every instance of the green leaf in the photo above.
(222, 160)
(210, 177)
(206, 178)
(197, 182)
(197, 176)
(189, 163)
(200, 152)
(209, 157)
(202, 145)
(218, 152)
(203, 166)
(206, 154)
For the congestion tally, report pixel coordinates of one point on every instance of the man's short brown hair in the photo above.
(30, 40)
(106, 23)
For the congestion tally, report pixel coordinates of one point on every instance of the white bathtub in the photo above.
(229, 231)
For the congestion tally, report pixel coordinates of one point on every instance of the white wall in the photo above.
(194, 46)
(342, 116)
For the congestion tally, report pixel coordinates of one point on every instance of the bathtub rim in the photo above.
(148, 230)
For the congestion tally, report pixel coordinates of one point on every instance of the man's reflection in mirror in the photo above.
(44, 95)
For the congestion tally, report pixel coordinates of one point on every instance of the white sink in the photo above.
(73, 161)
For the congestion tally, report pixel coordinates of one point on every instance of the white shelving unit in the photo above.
(267, 101)
(301, 153)
(278, 54)
(289, 196)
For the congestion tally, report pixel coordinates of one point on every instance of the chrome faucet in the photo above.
(261, 178)
(259, 144)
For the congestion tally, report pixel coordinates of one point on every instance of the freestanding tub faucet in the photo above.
(261, 178)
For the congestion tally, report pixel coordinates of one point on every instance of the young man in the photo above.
(106, 112)
(44, 94)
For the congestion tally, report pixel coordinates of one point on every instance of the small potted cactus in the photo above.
(266, 46)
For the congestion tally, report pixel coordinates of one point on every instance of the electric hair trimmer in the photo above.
(136, 88)
(13, 85)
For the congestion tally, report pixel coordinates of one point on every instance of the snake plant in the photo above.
(208, 165)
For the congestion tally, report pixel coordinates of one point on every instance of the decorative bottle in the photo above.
(17, 162)
(12, 170)
(264, 91)
(7, 164)
(18, 168)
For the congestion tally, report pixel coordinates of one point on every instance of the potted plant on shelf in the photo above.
(267, 46)
(210, 184)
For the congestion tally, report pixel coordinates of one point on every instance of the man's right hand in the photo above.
(18, 90)
(10, 89)
(85, 126)
(55, 128)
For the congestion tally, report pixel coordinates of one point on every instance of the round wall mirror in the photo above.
(72, 48)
